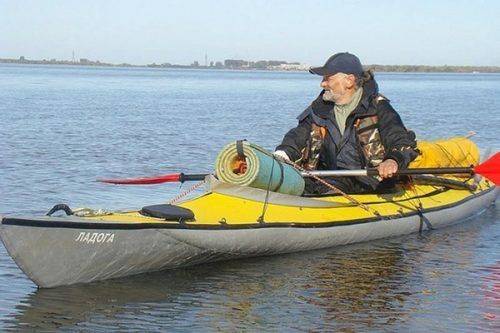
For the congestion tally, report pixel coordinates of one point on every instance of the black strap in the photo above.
(282, 174)
(239, 149)
(59, 207)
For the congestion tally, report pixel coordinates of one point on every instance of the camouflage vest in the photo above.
(368, 136)
(369, 139)
(310, 154)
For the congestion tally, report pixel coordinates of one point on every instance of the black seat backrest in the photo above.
(168, 212)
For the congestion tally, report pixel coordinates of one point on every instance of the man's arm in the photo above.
(398, 142)
(296, 139)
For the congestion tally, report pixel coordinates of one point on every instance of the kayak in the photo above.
(226, 221)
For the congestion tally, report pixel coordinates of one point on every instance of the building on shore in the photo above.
(295, 66)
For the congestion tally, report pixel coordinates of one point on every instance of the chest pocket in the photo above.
(369, 139)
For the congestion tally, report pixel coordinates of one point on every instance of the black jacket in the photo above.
(345, 152)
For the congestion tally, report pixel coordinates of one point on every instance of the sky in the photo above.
(142, 32)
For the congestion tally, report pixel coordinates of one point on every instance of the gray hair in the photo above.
(365, 77)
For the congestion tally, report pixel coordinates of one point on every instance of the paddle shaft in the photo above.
(374, 172)
(354, 173)
(192, 177)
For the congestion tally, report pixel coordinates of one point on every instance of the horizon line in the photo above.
(196, 64)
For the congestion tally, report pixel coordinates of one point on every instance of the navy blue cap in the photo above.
(343, 62)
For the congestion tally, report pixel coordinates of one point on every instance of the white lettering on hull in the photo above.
(95, 237)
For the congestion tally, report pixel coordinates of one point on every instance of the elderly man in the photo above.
(349, 126)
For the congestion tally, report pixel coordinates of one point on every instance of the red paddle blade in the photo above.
(490, 169)
(175, 177)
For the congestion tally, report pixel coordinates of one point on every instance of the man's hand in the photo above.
(387, 168)
(282, 155)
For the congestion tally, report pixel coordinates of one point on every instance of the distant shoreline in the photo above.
(261, 65)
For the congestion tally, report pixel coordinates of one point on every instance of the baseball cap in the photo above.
(343, 62)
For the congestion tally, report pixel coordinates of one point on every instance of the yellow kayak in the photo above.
(225, 222)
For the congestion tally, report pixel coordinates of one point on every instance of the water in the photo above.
(63, 127)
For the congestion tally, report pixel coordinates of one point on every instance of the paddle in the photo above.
(489, 169)
(170, 178)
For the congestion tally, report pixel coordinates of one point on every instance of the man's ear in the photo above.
(351, 81)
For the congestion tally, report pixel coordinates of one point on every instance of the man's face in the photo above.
(336, 85)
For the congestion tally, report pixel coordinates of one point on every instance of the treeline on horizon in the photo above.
(265, 65)
(433, 69)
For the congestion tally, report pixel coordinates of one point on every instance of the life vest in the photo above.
(369, 139)
(367, 133)
(310, 154)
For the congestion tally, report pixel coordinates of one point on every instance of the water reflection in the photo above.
(368, 282)
(228, 295)
(46, 309)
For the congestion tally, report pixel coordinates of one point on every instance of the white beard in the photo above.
(329, 96)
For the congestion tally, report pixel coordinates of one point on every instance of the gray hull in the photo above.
(62, 251)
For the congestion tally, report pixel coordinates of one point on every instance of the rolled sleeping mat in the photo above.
(255, 167)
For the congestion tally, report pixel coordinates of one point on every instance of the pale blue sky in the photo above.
(383, 31)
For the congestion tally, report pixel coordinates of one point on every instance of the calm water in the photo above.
(63, 127)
